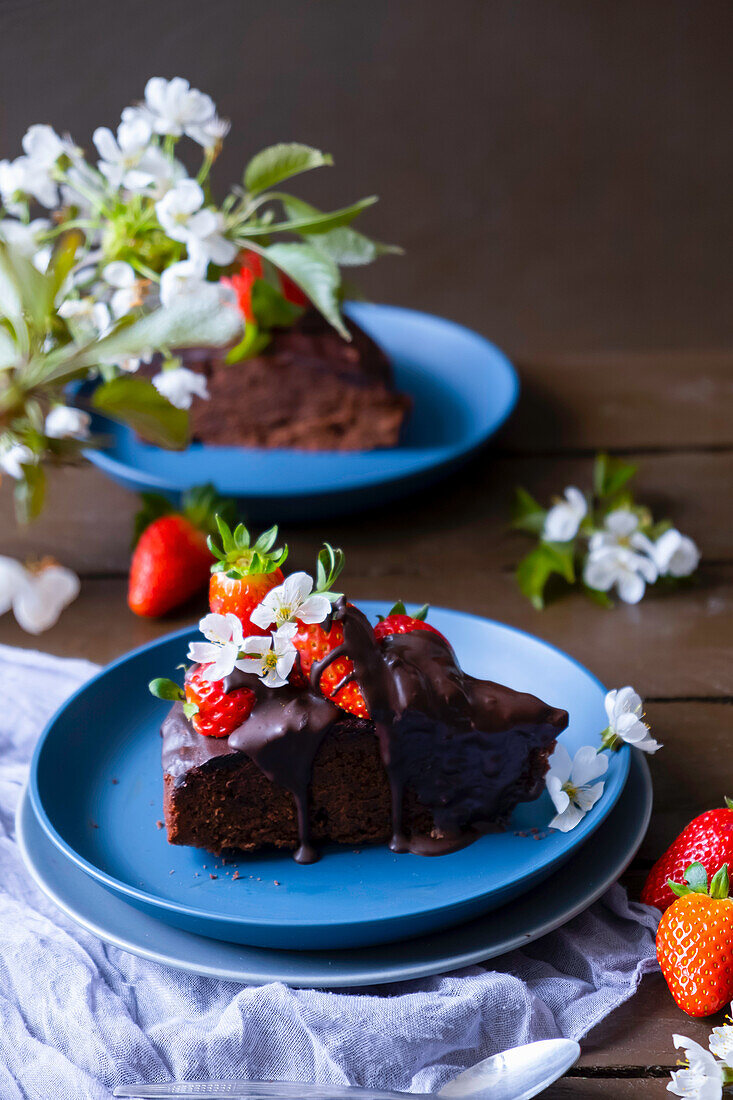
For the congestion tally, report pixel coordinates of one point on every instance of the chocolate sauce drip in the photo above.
(461, 745)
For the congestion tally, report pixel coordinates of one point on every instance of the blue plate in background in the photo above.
(108, 731)
(463, 389)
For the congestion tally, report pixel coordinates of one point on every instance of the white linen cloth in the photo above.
(78, 1017)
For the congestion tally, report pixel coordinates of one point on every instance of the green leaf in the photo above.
(546, 560)
(527, 515)
(719, 887)
(30, 493)
(251, 344)
(610, 475)
(270, 308)
(343, 245)
(62, 259)
(280, 162)
(9, 354)
(189, 709)
(316, 275)
(163, 688)
(601, 598)
(329, 565)
(136, 402)
(696, 878)
(317, 224)
(729, 802)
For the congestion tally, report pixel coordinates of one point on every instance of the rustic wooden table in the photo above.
(673, 413)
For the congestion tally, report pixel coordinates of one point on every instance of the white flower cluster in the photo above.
(137, 160)
(620, 556)
(36, 596)
(269, 656)
(572, 784)
(706, 1072)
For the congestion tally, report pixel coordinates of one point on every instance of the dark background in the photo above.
(559, 171)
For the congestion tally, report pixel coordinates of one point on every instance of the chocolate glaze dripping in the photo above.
(460, 744)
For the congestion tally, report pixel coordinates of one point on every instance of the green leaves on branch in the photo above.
(281, 162)
(316, 275)
(545, 561)
(611, 475)
(345, 246)
(136, 402)
(527, 514)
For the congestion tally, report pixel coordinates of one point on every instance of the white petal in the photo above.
(257, 644)
(568, 820)
(601, 569)
(560, 798)
(119, 274)
(203, 653)
(285, 663)
(588, 764)
(630, 587)
(314, 610)
(224, 663)
(560, 763)
(648, 744)
(621, 523)
(38, 603)
(65, 423)
(588, 796)
(273, 680)
(297, 587)
(12, 578)
(251, 665)
(263, 615)
(106, 144)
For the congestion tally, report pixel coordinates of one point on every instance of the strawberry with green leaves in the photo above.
(211, 711)
(315, 641)
(244, 572)
(708, 840)
(171, 560)
(695, 942)
(399, 622)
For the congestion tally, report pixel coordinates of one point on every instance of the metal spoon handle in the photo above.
(257, 1090)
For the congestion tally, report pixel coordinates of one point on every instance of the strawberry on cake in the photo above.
(300, 722)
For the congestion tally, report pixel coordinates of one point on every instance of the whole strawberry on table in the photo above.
(171, 559)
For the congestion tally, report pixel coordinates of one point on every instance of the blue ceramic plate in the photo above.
(463, 389)
(108, 731)
(583, 879)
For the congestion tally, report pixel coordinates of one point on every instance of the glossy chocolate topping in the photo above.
(462, 745)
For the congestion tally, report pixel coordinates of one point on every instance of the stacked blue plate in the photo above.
(88, 826)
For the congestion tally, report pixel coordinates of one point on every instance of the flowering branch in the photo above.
(600, 541)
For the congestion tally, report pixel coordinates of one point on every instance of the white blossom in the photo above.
(36, 596)
(210, 133)
(13, 457)
(184, 277)
(127, 286)
(180, 215)
(291, 601)
(625, 710)
(721, 1042)
(129, 160)
(174, 107)
(570, 784)
(271, 657)
(87, 318)
(564, 518)
(702, 1079)
(620, 556)
(12, 184)
(180, 385)
(675, 554)
(220, 652)
(26, 238)
(42, 147)
(64, 422)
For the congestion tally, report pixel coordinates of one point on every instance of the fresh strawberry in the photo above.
(707, 840)
(241, 282)
(171, 560)
(212, 711)
(313, 644)
(291, 291)
(399, 622)
(244, 573)
(695, 942)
